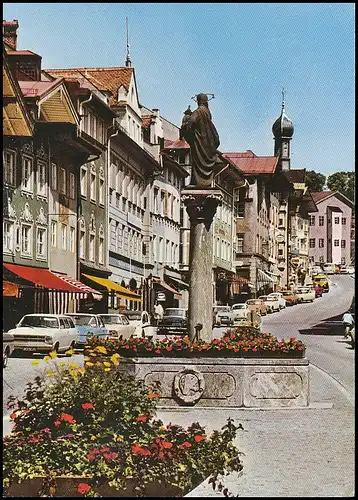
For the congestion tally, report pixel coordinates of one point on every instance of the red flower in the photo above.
(110, 456)
(46, 430)
(199, 438)
(13, 416)
(87, 406)
(184, 445)
(83, 488)
(138, 450)
(34, 440)
(300, 348)
(57, 423)
(91, 457)
(157, 351)
(142, 418)
(66, 417)
(168, 348)
(166, 444)
(153, 395)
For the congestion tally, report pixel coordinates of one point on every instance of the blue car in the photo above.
(88, 325)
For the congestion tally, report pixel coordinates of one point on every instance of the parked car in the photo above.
(280, 297)
(222, 315)
(272, 303)
(350, 270)
(118, 325)
(329, 268)
(290, 297)
(322, 281)
(141, 321)
(88, 325)
(174, 322)
(8, 341)
(316, 270)
(305, 294)
(257, 305)
(240, 309)
(44, 332)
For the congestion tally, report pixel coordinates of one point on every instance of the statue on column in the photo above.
(201, 135)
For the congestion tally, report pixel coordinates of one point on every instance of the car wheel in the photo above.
(5, 357)
(311, 300)
(56, 348)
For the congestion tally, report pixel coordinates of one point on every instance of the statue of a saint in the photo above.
(203, 139)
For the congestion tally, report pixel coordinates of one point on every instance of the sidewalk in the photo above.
(287, 453)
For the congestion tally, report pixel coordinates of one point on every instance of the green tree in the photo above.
(344, 182)
(315, 181)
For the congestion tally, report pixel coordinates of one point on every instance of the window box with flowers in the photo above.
(92, 431)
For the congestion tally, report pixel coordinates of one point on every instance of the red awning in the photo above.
(84, 288)
(42, 277)
(164, 285)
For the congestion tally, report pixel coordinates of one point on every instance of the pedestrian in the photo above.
(158, 312)
(348, 323)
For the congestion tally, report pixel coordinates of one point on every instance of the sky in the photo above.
(242, 53)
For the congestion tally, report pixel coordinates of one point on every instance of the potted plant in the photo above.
(92, 431)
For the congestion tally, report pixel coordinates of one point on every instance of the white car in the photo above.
(141, 321)
(118, 325)
(305, 294)
(240, 309)
(280, 297)
(272, 303)
(44, 332)
(222, 315)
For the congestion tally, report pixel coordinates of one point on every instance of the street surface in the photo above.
(332, 354)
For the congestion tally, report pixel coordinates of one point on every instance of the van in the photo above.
(329, 268)
(322, 281)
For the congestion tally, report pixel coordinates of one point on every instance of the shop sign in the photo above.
(161, 297)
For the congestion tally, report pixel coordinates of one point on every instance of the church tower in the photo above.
(283, 131)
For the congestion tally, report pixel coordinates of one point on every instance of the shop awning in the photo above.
(81, 286)
(10, 289)
(42, 277)
(263, 278)
(112, 286)
(163, 284)
(179, 283)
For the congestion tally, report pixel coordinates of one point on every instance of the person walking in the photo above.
(348, 323)
(158, 312)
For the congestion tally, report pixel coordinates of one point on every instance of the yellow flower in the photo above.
(162, 428)
(106, 363)
(73, 364)
(119, 438)
(53, 355)
(50, 373)
(35, 362)
(107, 369)
(101, 349)
(74, 373)
(62, 363)
(88, 363)
(47, 358)
(86, 358)
(70, 352)
(93, 438)
(115, 359)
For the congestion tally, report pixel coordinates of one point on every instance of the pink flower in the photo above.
(83, 488)
(57, 423)
(87, 406)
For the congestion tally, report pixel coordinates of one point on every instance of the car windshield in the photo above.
(220, 309)
(263, 297)
(80, 320)
(39, 321)
(286, 294)
(251, 302)
(271, 299)
(238, 306)
(111, 320)
(174, 312)
(134, 316)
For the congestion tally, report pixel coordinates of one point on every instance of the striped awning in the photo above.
(263, 278)
(81, 286)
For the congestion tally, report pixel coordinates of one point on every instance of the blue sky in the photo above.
(243, 53)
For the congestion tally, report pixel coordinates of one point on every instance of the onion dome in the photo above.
(283, 127)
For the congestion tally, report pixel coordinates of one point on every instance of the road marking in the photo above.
(336, 382)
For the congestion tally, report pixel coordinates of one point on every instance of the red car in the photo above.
(318, 290)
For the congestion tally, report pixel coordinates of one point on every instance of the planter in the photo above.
(213, 353)
(66, 486)
(225, 382)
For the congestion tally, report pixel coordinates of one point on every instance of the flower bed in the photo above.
(95, 426)
(237, 342)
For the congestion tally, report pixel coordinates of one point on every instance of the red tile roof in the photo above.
(178, 144)
(33, 89)
(105, 79)
(250, 164)
(321, 195)
(22, 53)
(146, 121)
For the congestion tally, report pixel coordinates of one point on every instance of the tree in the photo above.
(344, 182)
(315, 181)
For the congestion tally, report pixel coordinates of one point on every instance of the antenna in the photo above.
(283, 98)
(128, 58)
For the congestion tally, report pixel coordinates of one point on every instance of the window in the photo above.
(83, 181)
(124, 204)
(101, 191)
(27, 174)
(343, 243)
(9, 167)
(93, 186)
(336, 243)
(240, 243)
(82, 244)
(8, 236)
(41, 242)
(110, 195)
(41, 178)
(321, 220)
(321, 243)
(280, 222)
(312, 220)
(321, 258)
(64, 236)
(54, 176)
(118, 200)
(101, 251)
(344, 221)
(91, 248)
(336, 220)
(312, 242)
(63, 181)
(72, 186)
(26, 239)
(72, 239)
(53, 233)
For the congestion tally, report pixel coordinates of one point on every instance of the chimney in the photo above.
(9, 33)
(156, 112)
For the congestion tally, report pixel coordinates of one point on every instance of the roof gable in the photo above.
(250, 164)
(320, 196)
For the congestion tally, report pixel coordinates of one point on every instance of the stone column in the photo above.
(201, 205)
